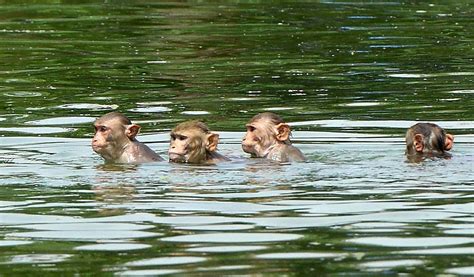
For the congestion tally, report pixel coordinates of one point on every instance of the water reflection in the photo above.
(38, 259)
(113, 247)
(350, 77)
(167, 261)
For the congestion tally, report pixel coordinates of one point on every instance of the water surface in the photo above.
(349, 77)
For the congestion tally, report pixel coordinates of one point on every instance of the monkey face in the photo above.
(115, 140)
(179, 147)
(112, 137)
(192, 142)
(257, 139)
(103, 138)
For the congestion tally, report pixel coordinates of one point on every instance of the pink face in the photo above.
(106, 136)
(257, 139)
(178, 151)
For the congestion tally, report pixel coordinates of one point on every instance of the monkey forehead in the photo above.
(191, 132)
(108, 123)
(192, 124)
(260, 124)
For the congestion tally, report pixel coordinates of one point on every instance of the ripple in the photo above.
(392, 263)
(440, 251)
(167, 261)
(412, 242)
(85, 235)
(457, 229)
(345, 207)
(233, 237)
(300, 255)
(381, 123)
(157, 62)
(214, 206)
(361, 104)
(195, 112)
(227, 249)
(23, 94)
(468, 270)
(62, 121)
(241, 99)
(156, 103)
(378, 225)
(38, 130)
(149, 272)
(386, 230)
(38, 259)
(113, 247)
(279, 109)
(87, 106)
(418, 76)
(222, 227)
(151, 110)
(6, 243)
(466, 91)
(87, 227)
(238, 195)
(460, 232)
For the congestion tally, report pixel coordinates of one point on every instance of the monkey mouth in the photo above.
(249, 149)
(177, 158)
(97, 148)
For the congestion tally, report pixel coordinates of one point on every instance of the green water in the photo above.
(349, 76)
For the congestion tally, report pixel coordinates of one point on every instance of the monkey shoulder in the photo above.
(217, 157)
(142, 153)
(294, 154)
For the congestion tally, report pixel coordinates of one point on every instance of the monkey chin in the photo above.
(98, 148)
(177, 158)
(248, 149)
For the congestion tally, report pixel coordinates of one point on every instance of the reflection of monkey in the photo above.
(115, 140)
(427, 140)
(268, 136)
(110, 195)
(193, 142)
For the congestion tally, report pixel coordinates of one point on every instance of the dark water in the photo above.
(350, 77)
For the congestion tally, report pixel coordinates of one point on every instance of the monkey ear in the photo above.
(448, 142)
(418, 143)
(283, 132)
(132, 131)
(212, 140)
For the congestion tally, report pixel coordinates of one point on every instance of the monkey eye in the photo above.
(251, 128)
(101, 129)
(181, 137)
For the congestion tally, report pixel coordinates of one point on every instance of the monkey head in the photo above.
(113, 133)
(264, 132)
(428, 139)
(192, 142)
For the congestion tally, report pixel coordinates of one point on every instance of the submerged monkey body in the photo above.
(285, 153)
(137, 152)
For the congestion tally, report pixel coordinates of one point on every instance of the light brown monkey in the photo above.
(193, 142)
(427, 140)
(268, 136)
(115, 140)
